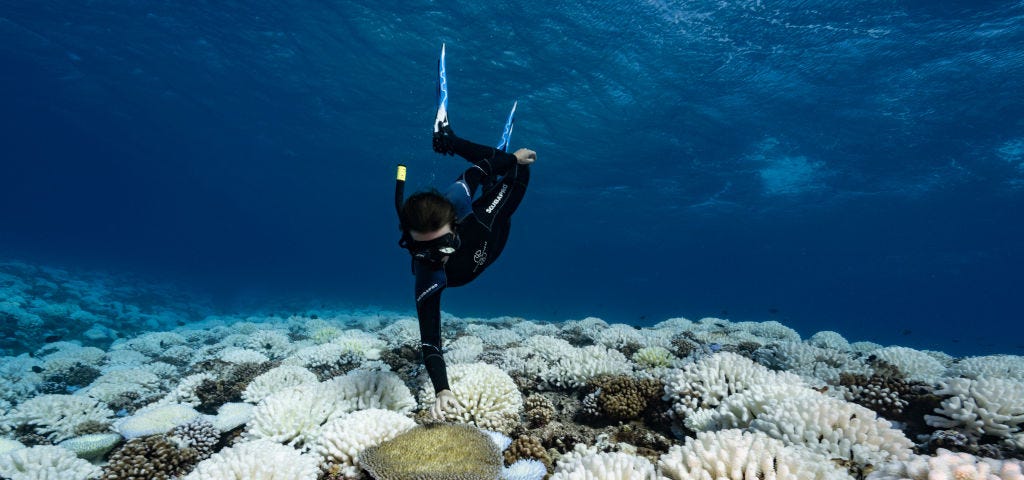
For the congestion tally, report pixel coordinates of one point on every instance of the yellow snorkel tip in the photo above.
(400, 174)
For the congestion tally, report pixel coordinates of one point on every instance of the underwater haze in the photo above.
(855, 166)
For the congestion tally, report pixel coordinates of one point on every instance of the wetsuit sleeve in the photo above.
(429, 312)
(429, 284)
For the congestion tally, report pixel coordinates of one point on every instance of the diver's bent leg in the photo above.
(519, 181)
(474, 152)
(501, 201)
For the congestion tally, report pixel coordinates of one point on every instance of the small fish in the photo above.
(37, 369)
(52, 338)
(773, 310)
(725, 313)
(643, 317)
(181, 323)
(907, 331)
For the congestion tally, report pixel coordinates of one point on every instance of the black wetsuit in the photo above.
(483, 227)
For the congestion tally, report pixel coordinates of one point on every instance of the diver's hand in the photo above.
(443, 139)
(445, 402)
(525, 156)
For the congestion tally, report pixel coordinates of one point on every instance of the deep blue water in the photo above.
(854, 166)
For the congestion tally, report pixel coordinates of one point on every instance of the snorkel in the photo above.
(400, 191)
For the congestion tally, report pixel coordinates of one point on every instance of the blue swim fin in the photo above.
(506, 135)
(442, 94)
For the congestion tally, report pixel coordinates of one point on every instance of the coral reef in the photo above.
(528, 447)
(260, 459)
(611, 465)
(153, 458)
(620, 397)
(340, 441)
(946, 465)
(56, 417)
(538, 410)
(485, 395)
(746, 455)
(45, 462)
(326, 394)
(435, 451)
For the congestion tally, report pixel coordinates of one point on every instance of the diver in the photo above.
(453, 238)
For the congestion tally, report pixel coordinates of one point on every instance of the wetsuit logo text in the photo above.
(497, 199)
(427, 292)
(480, 257)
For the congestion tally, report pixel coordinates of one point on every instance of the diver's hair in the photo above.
(427, 211)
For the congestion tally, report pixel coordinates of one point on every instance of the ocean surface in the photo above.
(852, 166)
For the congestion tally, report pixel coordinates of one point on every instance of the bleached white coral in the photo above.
(464, 349)
(617, 335)
(93, 446)
(18, 380)
(525, 469)
(8, 445)
(351, 346)
(257, 460)
(916, 365)
(64, 360)
(46, 462)
(362, 389)
(292, 415)
(231, 415)
(864, 347)
(272, 343)
(360, 345)
(946, 465)
(829, 339)
(527, 328)
(573, 368)
(340, 441)
(770, 330)
(116, 384)
(582, 328)
(706, 383)
(242, 355)
(737, 454)
(151, 344)
(405, 331)
(740, 409)
(604, 466)
(125, 357)
(813, 363)
(499, 337)
(485, 396)
(155, 419)
(185, 392)
(675, 325)
(987, 406)
(235, 339)
(275, 380)
(535, 355)
(651, 357)
(178, 355)
(833, 427)
(57, 416)
(990, 366)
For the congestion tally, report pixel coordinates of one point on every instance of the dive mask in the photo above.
(434, 251)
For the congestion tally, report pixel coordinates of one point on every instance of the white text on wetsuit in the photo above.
(497, 199)
(427, 292)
